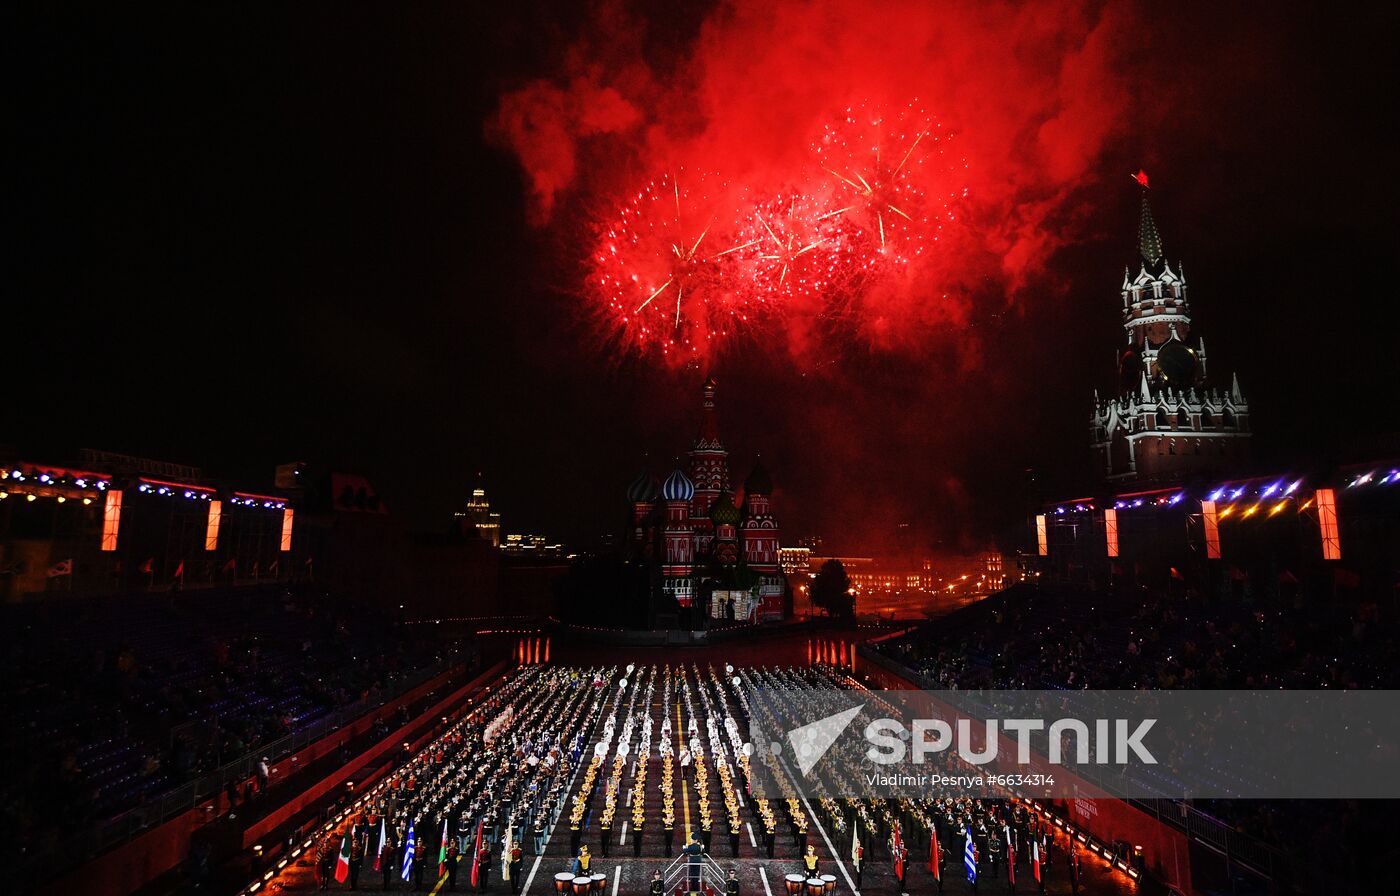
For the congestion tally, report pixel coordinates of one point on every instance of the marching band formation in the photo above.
(636, 753)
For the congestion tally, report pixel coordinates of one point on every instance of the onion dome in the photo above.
(723, 512)
(1176, 363)
(643, 489)
(678, 487)
(759, 482)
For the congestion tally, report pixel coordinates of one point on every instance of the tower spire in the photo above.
(1149, 241)
(709, 428)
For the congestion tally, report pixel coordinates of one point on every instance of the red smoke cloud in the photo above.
(1027, 95)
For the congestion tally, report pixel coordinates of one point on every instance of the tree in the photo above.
(831, 590)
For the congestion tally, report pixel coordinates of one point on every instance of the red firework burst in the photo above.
(892, 179)
(663, 271)
(794, 252)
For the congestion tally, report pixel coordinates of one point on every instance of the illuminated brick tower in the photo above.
(709, 470)
(678, 562)
(760, 539)
(1165, 420)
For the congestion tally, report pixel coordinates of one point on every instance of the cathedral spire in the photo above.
(709, 427)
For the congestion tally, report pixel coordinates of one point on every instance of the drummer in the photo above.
(581, 862)
(810, 861)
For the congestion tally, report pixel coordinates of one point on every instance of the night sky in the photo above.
(309, 232)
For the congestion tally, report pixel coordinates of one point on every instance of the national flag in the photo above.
(970, 859)
(179, 571)
(1035, 859)
(231, 565)
(1176, 574)
(61, 568)
(149, 566)
(272, 569)
(898, 854)
(379, 853)
(855, 844)
(1287, 578)
(408, 852)
(342, 864)
(935, 856)
(442, 850)
(476, 853)
(1011, 860)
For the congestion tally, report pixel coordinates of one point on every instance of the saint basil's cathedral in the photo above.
(706, 552)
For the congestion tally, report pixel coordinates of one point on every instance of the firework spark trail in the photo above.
(660, 270)
(901, 205)
(797, 252)
(690, 261)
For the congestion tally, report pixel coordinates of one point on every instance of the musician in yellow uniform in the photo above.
(581, 863)
(811, 862)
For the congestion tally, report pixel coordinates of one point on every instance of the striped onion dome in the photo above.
(678, 487)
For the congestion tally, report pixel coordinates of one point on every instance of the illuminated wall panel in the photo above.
(211, 531)
(1212, 524)
(287, 529)
(111, 519)
(1327, 521)
(1110, 526)
(1041, 538)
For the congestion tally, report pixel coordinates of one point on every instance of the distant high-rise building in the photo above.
(1165, 418)
(479, 516)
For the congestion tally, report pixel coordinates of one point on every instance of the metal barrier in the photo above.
(711, 874)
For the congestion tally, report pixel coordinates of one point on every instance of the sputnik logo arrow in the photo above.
(811, 741)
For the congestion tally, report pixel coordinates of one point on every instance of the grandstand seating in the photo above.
(114, 701)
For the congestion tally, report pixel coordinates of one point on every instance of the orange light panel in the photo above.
(111, 519)
(1212, 522)
(1327, 521)
(1110, 526)
(1042, 540)
(211, 531)
(287, 529)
